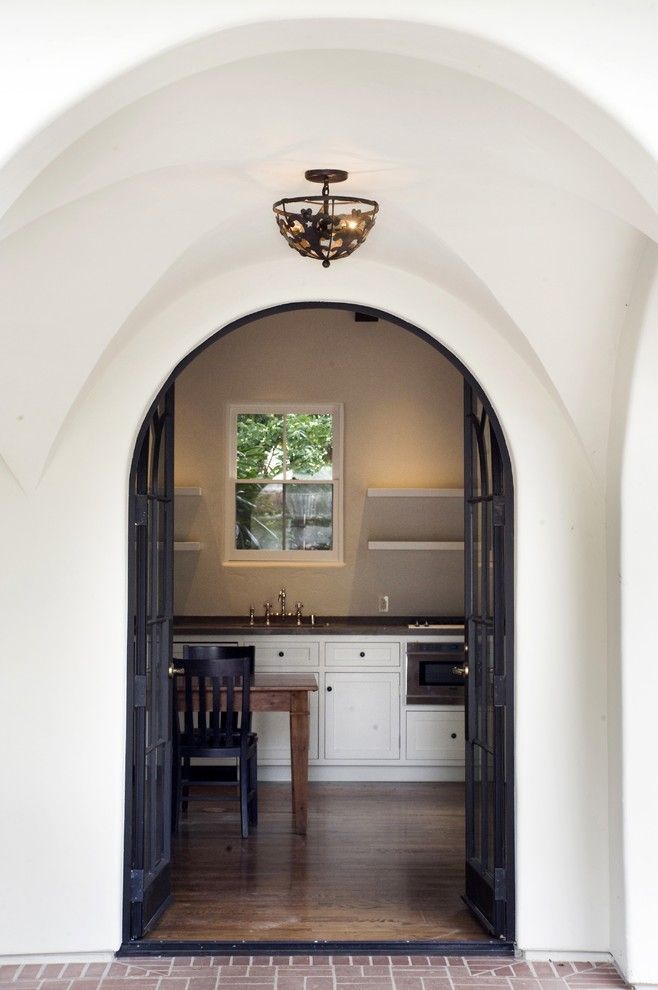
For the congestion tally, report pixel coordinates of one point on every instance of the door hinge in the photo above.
(139, 691)
(499, 691)
(141, 510)
(498, 510)
(136, 886)
(500, 885)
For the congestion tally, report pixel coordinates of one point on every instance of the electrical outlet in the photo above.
(383, 603)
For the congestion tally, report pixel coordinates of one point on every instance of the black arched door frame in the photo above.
(133, 843)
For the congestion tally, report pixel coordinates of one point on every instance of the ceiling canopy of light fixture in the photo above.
(325, 227)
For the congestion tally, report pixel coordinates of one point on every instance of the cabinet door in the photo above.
(435, 736)
(362, 716)
(273, 729)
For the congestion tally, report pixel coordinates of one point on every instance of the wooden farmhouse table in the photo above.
(282, 693)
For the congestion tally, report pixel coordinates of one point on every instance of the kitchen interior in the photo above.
(365, 594)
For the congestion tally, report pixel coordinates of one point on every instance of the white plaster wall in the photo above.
(542, 245)
(67, 542)
(634, 592)
(403, 424)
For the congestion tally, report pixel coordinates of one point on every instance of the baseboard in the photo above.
(345, 774)
(566, 955)
(57, 957)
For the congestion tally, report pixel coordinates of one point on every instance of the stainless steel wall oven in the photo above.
(435, 673)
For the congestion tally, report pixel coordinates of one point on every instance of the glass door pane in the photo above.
(152, 569)
(489, 811)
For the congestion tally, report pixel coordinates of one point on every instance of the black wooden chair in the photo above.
(212, 728)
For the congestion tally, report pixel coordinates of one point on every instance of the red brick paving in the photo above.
(265, 972)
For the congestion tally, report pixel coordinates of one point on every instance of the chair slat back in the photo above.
(216, 725)
(214, 651)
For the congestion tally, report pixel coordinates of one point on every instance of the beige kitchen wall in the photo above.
(403, 428)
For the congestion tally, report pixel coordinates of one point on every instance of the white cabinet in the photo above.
(435, 736)
(360, 726)
(273, 730)
(284, 654)
(364, 654)
(362, 716)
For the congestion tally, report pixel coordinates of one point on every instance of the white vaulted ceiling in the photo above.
(482, 193)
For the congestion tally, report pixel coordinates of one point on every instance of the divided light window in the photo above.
(285, 474)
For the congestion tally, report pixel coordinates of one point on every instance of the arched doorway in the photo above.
(489, 647)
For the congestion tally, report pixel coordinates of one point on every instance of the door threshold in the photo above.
(152, 947)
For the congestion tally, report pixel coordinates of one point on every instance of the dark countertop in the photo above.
(326, 625)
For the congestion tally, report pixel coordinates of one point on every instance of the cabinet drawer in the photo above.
(283, 653)
(435, 737)
(362, 654)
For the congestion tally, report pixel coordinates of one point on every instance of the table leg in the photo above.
(299, 739)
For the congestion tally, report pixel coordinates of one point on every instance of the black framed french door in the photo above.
(488, 548)
(489, 631)
(148, 861)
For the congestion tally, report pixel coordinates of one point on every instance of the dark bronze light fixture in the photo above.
(325, 227)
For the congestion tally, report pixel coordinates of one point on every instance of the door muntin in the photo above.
(489, 710)
(152, 523)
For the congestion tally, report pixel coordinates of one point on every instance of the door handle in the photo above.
(461, 671)
(175, 670)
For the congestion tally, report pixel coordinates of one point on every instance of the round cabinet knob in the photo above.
(281, 653)
(453, 735)
(362, 653)
(329, 687)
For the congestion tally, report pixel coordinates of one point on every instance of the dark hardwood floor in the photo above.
(379, 862)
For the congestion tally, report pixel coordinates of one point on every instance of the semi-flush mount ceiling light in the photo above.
(325, 227)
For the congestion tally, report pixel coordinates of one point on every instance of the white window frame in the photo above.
(314, 557)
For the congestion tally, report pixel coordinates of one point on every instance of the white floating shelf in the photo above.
(415, 493)
(188, 491)
(414, 545)
(187, 545)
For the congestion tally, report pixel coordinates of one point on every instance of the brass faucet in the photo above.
(282, 598)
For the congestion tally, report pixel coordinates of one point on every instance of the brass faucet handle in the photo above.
(298, 612)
